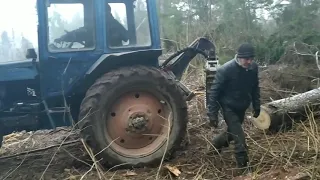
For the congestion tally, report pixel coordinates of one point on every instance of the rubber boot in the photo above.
(243, 164)
(221, 141)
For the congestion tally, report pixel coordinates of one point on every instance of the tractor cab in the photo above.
(90, 37)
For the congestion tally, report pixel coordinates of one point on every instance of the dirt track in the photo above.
(194, 160)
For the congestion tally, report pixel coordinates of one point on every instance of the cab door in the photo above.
(68, 43)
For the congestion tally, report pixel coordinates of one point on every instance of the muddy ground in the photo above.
(292, 155)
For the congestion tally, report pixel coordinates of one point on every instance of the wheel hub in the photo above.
(137, 124)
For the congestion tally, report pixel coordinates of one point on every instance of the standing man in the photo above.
(236, 85)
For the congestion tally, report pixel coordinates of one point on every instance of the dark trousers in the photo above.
(234, 120)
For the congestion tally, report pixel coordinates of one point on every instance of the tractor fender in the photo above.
(123, 58)
(108, 62)
(103, 58)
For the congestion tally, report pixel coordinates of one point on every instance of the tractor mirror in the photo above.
(31, 54)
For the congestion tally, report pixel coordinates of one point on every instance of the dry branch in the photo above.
(36, 161)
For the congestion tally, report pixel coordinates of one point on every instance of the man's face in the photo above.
(245, 62)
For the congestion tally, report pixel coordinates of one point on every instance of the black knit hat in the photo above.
(246, 50)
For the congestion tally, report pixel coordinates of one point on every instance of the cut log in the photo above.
(284, 112)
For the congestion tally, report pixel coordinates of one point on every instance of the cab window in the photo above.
(128, 24)
(70, 26)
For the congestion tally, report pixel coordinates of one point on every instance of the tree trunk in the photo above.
(284, 112)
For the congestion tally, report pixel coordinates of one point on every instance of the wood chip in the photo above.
(130, 173)
(174, 170)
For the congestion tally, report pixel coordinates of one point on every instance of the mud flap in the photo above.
(187, 93)
(1, 139)
(1, 133)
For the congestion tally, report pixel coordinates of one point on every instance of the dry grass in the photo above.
(276, 155)
(295, 149)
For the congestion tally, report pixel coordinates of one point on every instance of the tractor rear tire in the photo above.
(124, 117)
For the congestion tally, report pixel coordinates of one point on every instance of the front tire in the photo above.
(125, 116)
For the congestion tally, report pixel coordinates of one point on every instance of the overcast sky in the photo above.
(19, 15)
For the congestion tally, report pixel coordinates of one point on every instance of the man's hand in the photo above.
(213, 120)
(256, 113)
(58, 40)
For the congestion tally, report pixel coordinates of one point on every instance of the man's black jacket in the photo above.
(234, 87)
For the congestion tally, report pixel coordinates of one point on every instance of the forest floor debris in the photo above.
(292, 155)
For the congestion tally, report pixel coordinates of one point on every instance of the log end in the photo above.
(263, 121)
(280, 120)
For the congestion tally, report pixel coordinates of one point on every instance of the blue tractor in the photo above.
(103, 77)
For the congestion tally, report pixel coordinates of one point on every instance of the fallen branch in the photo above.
(36, 161)
(39, 150)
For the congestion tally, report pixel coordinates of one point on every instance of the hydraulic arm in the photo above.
(178, 62)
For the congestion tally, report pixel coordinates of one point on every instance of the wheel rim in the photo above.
(137, 124)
